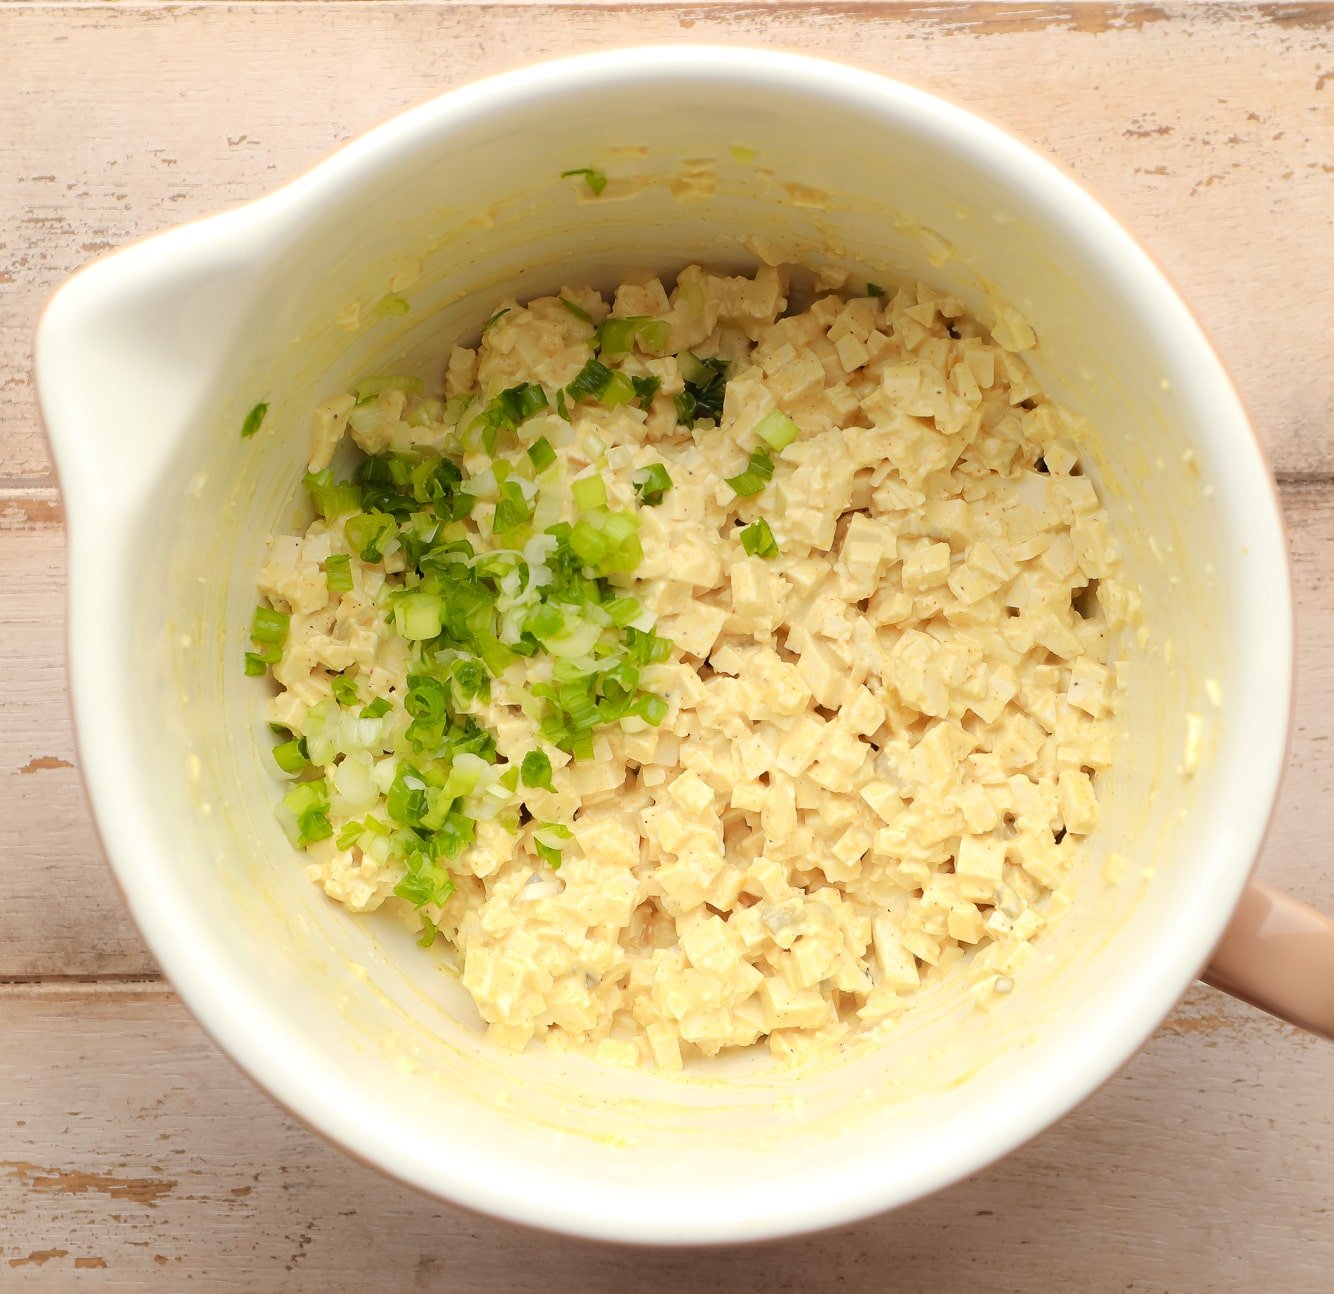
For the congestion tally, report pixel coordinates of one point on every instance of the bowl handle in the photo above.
(1278, 954)
(127, 352)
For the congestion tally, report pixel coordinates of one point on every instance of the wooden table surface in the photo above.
(134, 1157)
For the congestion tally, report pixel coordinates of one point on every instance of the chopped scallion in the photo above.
(757, 475)
(349, 833)
(645, 389)
(541, 454)
(589, 492)
(375, 709)
(428, 932)
(338, 572)
(595, 179)
(777, 430)
(269, 627)
(512, 509)
(253, 420)
(617, 336)
(758, 540)
(651, 484)
(370, 534)
(705, 388)
(419, 616)
(577, 311)
(655, 335)
(549, 839)
(345, 691)
(620, 390)
(291, 756)
(590, 382)
(536, 769)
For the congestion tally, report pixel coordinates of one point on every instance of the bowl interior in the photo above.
(454, 206)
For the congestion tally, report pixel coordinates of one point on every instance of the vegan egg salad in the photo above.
(694, 672)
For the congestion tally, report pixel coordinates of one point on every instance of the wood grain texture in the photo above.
(1209, 128)
(167, 1166)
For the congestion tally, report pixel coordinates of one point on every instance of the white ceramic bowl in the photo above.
(147, 362)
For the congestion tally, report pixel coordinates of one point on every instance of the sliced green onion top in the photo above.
(874, 290)
(652, 483)
(589, 492)
(338, 572)
(620, 390)
(758, 540)
(512, 510)
(375, 709)
(536, 769)
(253, 420)
(549, 839)
(595, 180)
(590, 382)
(308, 803)
(577, 311)
(705, 388)
(777, 430)
(541, 453)
(370, 534)
(428, 932)
(291, 756)
(332, 499)
(499, 314)
(345, 691)
(269, 627)
(759, 471)
(645, 389)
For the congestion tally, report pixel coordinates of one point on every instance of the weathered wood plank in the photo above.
(66, 916)
(1208, 127)
(148, 1162)
(63, 915)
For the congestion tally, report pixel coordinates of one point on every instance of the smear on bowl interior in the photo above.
(695, 671)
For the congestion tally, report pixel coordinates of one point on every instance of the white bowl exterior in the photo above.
(146, 365)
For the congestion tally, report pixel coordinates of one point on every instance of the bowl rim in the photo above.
(336, 177)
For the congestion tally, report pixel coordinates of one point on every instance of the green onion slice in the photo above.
(651, 484)
(590, 382)
(291, 756)
(758, 540)
(536, 769)
(269, 627)
(777, 430)
(338, 572)
(595, 180)
(589, 492)
(757, 475)
(541, 454)
(577, 311)
(253, 420)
